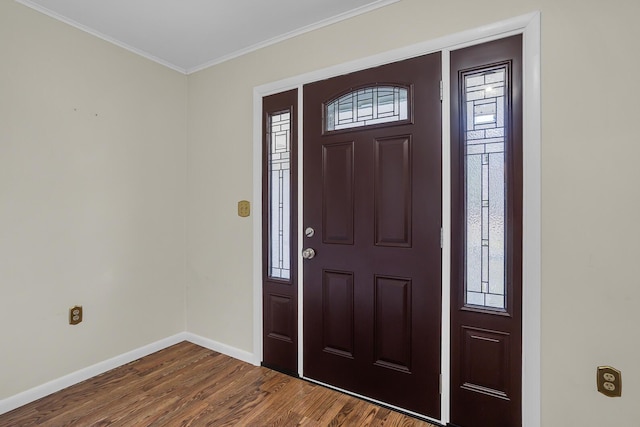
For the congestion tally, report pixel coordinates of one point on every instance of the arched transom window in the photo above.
(367, 106)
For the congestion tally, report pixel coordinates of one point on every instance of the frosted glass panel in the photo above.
(484, 138)
(280, 195)
(367, 106)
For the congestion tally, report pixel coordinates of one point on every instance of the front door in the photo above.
(372, 216)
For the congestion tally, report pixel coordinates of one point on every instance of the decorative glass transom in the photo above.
(484, 140)
(279, 195)
(367, 106)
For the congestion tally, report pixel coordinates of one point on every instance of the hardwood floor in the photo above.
(187, 385)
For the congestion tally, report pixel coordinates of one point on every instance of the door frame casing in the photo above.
(527, 25)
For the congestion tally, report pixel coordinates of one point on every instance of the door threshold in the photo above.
(403, 411)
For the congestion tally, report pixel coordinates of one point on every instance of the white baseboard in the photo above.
(58, 384)
(31, 395)
(234, 352)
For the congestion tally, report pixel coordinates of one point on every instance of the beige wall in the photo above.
(92, 204)
(590, 199)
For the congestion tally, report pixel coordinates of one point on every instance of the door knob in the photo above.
(308, 253)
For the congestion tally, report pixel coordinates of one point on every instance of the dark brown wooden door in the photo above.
(372, 195)
(486, 261)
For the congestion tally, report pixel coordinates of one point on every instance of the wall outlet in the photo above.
(75, 315)
(609, 381)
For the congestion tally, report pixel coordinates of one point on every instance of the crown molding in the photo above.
(326, 22)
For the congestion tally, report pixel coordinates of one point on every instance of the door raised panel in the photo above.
(485, 361)
(392, 333)
(337, 189)
(278, 317)
(393, 191)
(337, 312)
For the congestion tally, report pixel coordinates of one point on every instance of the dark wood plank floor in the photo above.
(187, 385)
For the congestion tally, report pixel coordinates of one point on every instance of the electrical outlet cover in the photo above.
(75, 315)
(609, 381)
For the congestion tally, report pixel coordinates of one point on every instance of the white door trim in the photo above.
(529, 26)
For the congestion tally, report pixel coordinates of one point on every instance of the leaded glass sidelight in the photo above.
(367, 106)
(485, 185)
(279, 163)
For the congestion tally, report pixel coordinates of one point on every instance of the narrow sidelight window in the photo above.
(486, 234)
(484, 105)
(279, 207)
(279, 164)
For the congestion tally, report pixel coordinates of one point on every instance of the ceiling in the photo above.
(189, 35)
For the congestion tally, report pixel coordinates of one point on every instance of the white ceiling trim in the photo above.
(326, 22)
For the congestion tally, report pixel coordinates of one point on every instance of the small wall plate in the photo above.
(75, 315)
(244, 208)
(609, 381)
